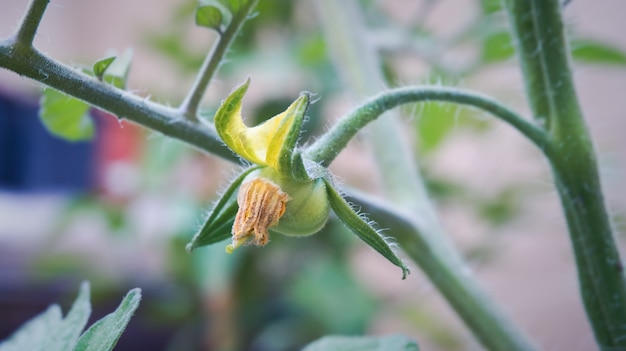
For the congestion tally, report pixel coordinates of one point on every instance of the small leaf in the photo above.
(218, 224)
(497, 47)
(104, 334)
(117, 72)
(435, 122)
(100, 66)
(67, 336)
(591, 51)
(35, 334)
(49, 331)
(210, 17)
(363, 343)
(361, 227)
(65, 116)
(490, 6)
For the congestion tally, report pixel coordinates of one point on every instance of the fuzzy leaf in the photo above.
(217, 226)
(74, 323)
(361, 227)
(590, 51)
(363, 343)
(36, 333)
(104, 334)
(65, 116)
(49, 331)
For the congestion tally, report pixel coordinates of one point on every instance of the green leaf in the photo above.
(328, 291)
(490, 6)
(220, 220)
(210, 17)
(67, 336)
(65, 116)
(49, 331)
(104, 334)
(435, 122)
(36, 333)
(591, 51)
(100, 66)
(497, 46)
(359, 226)
(363, 343)
(117, 72)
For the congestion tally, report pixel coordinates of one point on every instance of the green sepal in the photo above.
(217, 226)
(359, 226)
(291, 128)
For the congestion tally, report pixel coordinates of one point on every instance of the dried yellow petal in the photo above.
(261, 204)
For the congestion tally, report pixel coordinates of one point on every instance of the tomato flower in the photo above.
(277, 193)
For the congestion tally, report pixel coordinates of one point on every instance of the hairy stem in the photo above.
(30, 63)
(426, 244)
(325, 149)
(189, 106)
(537, 26)
(28, 27)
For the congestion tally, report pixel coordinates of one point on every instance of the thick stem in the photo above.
(189, 107)
(28, 27)
(456, 285)
(544, 55)
(426, 244)
(325, 149)
(30, 63)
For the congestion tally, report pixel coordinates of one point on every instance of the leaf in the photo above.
(104, 334)
(435, 122)
(363, 343)
(361, 228)
(490, 6)
(117, 72)
(100, 66)
(220, 220)
(65, 116)
(49, 331)
(210, 17)
(74, 323)
(497, 46)
(591, 51)
(327, 290)
(36, 333)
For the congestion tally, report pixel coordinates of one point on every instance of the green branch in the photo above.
(325, 149)
(28, 27)
(28, 62)
(537, 28)
(189, 106)
(426, 243)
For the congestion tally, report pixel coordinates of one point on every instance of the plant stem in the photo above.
(537, 26)
(325, 149)
(422, 237)
(30, 63)
(28, 27)
(189, 107)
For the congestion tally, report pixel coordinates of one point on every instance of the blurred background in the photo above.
(118, 210)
